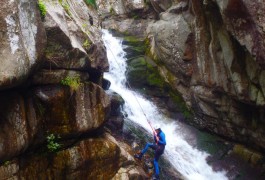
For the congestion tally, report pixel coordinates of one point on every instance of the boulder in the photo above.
(73, 43)
(71, 112)
(26, 120)
(99, 157)
(15, 131)
(23, 40)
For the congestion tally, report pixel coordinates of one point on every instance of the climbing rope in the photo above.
(129, 86)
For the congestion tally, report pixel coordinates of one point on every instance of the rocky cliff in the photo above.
(53, 106)
(209, 51)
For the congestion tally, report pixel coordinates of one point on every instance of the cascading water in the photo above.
(190, 162)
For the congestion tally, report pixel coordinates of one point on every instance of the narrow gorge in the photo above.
(80, 79)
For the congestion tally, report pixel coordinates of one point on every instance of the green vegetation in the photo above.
(66, 6)
(91, 3)
(6, 163)
(212, 144)
(144, 71)
(73, 82)
(181, 104)
(112, 11)
(86, 44)
(52, 145)
(42, 8)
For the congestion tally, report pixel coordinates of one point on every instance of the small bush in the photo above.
(42, 8)
(52, 145)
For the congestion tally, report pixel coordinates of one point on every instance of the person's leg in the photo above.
(146, 147)
(139, 156)
(156, 165)
(159, 151)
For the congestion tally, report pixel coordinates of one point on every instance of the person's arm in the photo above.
(156, 138)
(162, 139)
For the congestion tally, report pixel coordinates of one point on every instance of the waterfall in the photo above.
(190, 162)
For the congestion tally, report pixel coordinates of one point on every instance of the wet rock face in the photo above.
(212, 53)
(64, 98)
(93, 158)
(22, 40)
(71, 113)
(25, 120)
(99, 157)
(169, 37)
(245, 21)
(14, 133)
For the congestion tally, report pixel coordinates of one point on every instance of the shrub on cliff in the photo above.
(42, 8)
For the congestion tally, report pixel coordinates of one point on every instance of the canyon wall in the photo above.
(211, 53)
(53, 106)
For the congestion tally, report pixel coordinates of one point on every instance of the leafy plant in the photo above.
(42, 8)
(91, 3)
(86, 44)
(52, 145)
(73, 82)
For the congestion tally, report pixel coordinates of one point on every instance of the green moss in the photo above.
(42, 8)
(176, 97)
(86, 44)
(210, 143)
(112, 11)
(146, 72)
(155, 80)
(73, 82)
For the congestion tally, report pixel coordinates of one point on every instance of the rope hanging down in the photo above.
(129, 86)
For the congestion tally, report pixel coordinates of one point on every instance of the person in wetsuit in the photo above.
(158, 146)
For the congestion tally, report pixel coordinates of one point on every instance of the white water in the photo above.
(190, 162)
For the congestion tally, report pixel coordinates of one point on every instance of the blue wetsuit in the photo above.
(159, 148)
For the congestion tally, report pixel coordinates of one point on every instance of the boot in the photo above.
(155, 177)
(138, 156)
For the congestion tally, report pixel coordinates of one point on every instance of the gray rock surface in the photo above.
(22, 41)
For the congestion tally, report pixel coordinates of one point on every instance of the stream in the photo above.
(184, 157)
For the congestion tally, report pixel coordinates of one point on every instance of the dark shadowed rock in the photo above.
(27, 120)
(45, 77)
